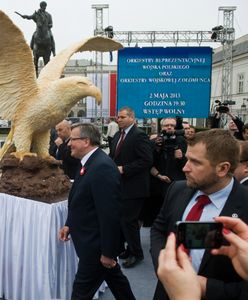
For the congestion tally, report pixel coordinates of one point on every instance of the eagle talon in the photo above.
(20, 154)
(33, 105)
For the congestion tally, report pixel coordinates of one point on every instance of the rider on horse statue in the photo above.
(44, 19)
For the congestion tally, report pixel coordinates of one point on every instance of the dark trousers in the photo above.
(131, 209)
(90, 276)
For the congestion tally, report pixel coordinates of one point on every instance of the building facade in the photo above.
(239, 85)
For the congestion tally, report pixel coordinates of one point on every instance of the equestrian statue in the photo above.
(42, 42)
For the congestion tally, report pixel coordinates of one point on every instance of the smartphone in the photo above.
(199, 235)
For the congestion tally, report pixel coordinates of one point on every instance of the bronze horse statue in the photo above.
(42, 42)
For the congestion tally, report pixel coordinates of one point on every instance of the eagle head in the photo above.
(71, 89)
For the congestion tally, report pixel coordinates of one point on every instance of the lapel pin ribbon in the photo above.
(82, 171)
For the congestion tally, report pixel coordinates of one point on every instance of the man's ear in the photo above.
(246, 167)
(87, 142)
(222, 169)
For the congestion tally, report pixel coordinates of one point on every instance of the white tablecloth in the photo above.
(34, 264)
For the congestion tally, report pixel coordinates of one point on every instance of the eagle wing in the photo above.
(54, 69)
(17, 73)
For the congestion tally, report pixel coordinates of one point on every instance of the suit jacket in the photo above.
(69, 163)
(217, 269)
(52, 145)
(245, 183)
(94, 209)
(136, 158)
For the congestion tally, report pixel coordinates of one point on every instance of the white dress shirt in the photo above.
(218, 200)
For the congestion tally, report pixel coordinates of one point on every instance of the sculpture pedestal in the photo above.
(34, 264)
(34, 178)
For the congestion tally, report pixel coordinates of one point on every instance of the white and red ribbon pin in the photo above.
(82, 171)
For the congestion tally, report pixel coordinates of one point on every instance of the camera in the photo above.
(200, 235)
(109, 31)
(167, 140)
(221, 107)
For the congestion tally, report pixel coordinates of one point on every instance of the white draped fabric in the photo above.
(34, 264)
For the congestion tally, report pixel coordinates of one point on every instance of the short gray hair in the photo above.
(169, 118)
(129, 110)
(90, 131)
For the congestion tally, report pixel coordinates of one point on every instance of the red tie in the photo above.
(121, 140)
(196, 211)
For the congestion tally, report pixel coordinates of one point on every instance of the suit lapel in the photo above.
(128, 136)
(232, 208)
(183, 201)
(79, 177)
(245, 183)
(126, 139)
(115, 141)
(91, 159)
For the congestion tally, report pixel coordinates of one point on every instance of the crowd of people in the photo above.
(159, 180)
(212, 157)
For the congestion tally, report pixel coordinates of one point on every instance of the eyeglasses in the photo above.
(244, 160)
(77, 138)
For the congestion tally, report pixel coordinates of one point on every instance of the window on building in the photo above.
(241, 80)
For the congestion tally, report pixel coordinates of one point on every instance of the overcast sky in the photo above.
(74, 20)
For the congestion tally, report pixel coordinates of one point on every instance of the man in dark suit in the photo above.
(69, 164)
(132, 153)
(212, 158)
(93, 219)
(168, 161)
(241, 172)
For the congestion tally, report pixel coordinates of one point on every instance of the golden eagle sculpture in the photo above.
(33, 105)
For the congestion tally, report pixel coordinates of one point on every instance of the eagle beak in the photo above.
(98, 96)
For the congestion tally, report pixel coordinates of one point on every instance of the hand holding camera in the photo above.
(167, 141)
(159, 140)
(164, 178)
(176, 272)
(222, 107)
(178, 153)
(236, 233)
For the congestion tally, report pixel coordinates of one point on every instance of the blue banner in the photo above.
(165, 82)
